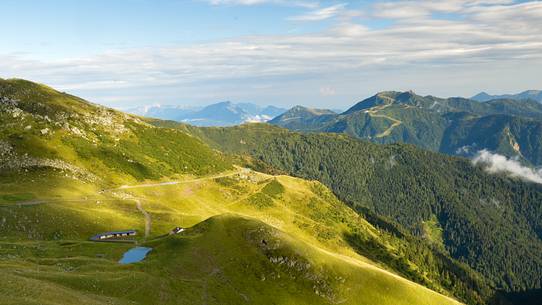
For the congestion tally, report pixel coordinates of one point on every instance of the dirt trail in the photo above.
(148, 222)
(388, 131)
(48, 201)
(124, 196)
(125, 187)
(147, 216)
(373, 112)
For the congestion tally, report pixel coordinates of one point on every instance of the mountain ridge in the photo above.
(535, 95)
(410, 186)
(218, 114)
(430, 122)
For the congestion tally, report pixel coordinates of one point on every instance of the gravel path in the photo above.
(148, 222)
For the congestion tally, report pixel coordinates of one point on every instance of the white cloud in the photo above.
(416, 9)
(327, 91)
(299, 3)
(495, 163)
(238, 2)
(321, 13)
(435, 53)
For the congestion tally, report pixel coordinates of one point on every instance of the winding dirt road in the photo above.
(373, 112)
(126, 196)
(126, 187)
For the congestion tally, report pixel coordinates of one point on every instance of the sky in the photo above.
(327, 54)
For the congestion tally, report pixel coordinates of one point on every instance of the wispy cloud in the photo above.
(299, 3)
(495, 163)
(488, 36)
(238, 2)
(416, 9)
(327, 91)
(321, 13)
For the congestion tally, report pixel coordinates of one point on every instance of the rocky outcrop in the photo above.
(293, 265)
(11, 161)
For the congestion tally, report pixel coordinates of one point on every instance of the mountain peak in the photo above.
(225, 113)
(482, 97)
(535, 95)
(298, 109)
(43, 100)
(299, 114)
(386, 94)
(407, 95)
(381, 98)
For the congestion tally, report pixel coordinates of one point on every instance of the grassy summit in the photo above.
(46, 128)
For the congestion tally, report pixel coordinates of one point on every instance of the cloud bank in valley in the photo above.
(495, 163)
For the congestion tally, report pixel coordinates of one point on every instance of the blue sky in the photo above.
(125, 53)
(66, 27)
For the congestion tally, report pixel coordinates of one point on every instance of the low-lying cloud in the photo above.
(495, 163)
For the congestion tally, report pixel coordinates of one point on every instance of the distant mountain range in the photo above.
(455, 126)
(219, 114)
(525, 95)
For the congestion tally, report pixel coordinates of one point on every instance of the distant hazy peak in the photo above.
(225, 113)
(306, 110)
(535, 95)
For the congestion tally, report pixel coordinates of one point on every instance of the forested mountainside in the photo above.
(71, 170)
(455, 126)
(491, 222)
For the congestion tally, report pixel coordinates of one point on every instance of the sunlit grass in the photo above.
(56, 256)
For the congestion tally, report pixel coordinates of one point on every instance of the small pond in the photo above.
(135, 255)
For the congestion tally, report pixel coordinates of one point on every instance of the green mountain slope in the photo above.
(224, 260)
(445, 125)
(491, 222)
(45, 128)
(300, 117)
(505, 135)
(71, 169)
